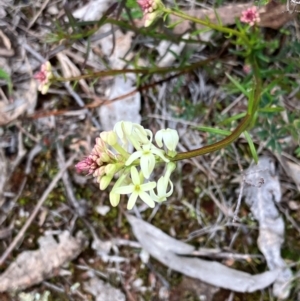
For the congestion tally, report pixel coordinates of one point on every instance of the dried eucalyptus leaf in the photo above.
(103, 291)
(166, 249)
(261, 194)
(32, 267)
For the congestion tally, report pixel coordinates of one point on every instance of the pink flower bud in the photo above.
(150, 9)
(44, 77)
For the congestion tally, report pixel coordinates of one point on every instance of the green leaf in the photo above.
(297, 152)
(251, 145)
(173, 25)
(230, 119)
(237, 84)
(213, 130)
(296, 124)
(4, 75)
(218, 17)
(271, 109)
(200, 31)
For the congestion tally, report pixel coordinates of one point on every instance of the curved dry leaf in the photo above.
(166, 249)
(103, 291)
(69, 69)
(261, 194)
(32, 267)
(24, 101)
(292, 169)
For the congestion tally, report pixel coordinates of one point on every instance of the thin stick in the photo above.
(35, 211)
(239, 201)
(38, 14)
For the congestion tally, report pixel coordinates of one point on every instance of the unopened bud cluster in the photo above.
(110, 157)
(151, 10)
(44, 77)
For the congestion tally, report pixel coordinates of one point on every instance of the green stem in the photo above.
(257, 84)
(148, 71)
(218, 145)
(245, 123)
(208, 24)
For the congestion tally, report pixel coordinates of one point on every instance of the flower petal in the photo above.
(132, 200)
(161, 187)
(159, 153)
(147, 199)
(159, 138)
(171, 139)
(147, 164)
(148, 186)
(135, 177)
(124, 189)
(133, 157)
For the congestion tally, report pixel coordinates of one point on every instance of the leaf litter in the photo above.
(263, 192)
(174, 254)
(32, 267)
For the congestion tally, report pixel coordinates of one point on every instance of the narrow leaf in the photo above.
(213, 130)
(230, 119)
(271, 109)
(251, 145)
(237, 84)
(4, 75)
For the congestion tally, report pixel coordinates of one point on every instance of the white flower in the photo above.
(162, 185)
(147, 161)
(170, 139)
(162, 194)
(137, 189)
(132, 132)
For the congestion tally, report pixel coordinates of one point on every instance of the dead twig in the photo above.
(67, 182)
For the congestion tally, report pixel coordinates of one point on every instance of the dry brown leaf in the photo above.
(292, 169)
(24, 101)
(170, 252)
(32, 267)
(69, 69)
(274, 15)
(7, 51)
(262, 193)
(103, 291)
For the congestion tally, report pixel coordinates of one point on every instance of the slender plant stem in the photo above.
(146, 71)
(209, 24)
(245, 123)
(218, 145)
